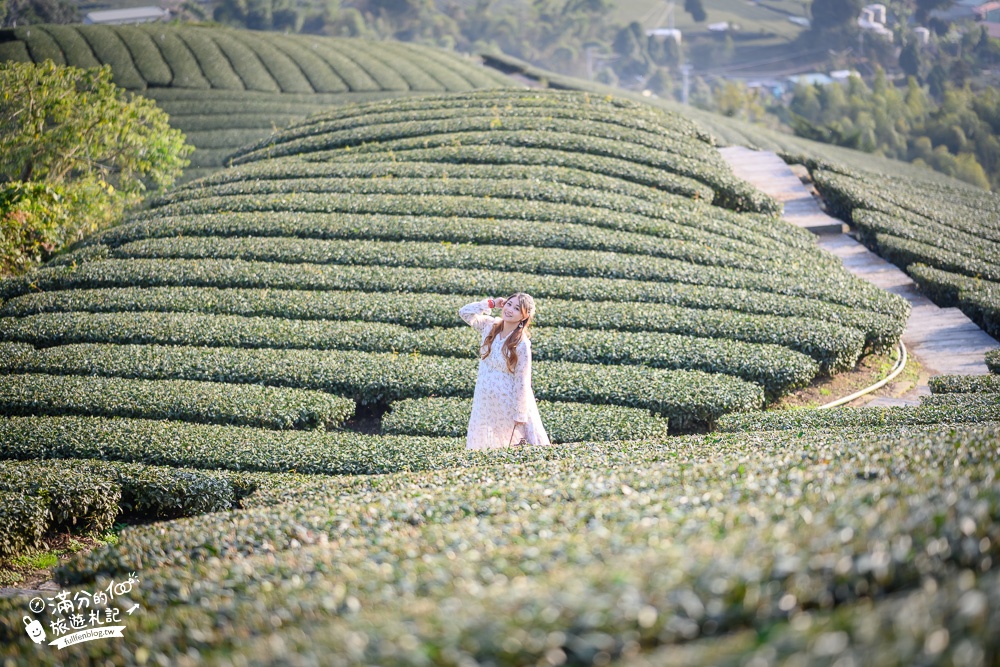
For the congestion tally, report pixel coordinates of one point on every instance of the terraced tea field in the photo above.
(209, 362)
(225, 88)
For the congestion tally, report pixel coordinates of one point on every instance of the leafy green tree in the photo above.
(78, 150)
(696, 9)
(29, 12)
(834, 14)
(925, 7)
(910, 60)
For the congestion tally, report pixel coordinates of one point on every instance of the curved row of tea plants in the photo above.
(575, 122)
(567, 302)
(43, 497)
(205, 402)
(759, 349)
(686, 397)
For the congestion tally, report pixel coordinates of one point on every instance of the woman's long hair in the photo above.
(510, 343)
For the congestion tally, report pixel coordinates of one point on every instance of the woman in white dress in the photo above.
(503, 406)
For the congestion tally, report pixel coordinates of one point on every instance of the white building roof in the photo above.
(134, 15)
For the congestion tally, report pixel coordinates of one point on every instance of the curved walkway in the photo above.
(943, 340)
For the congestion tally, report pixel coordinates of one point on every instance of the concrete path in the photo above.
(943, 340)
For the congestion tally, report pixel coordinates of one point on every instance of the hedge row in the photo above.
(952, 242)
(222, 448)
(71, 501)
(616, 109)
(772, 351)
(993, 361)
(979, 299)
(931, 231)
(563, 422)
(730, 192)
(931, 412)
(527, 222)
(555, 526)
(626, 234)
(86, 496)
(23, 520)
(839, 288)
(275, 173)
(961, 384)
(880, 331)
(688, 398)
(205, 402)
(438, 310)
(682, 475)
(903, 253)
(685, 257)
(318, 135)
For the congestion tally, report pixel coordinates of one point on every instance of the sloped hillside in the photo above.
(205, 364)
(225, 88)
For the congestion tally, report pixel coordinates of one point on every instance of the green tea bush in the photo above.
(564, 422)
(205, 402)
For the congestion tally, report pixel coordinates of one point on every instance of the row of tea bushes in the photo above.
(568, 228)
(978, 299)
(564, 422)
(609, 174)
(86, 496)
(966, 384)
(182, 400)
(649, 312)
(993, 361)
(944, 237)
(767, 358)
(687, 398)
(571, 122)
(393, 572)
(843, 290)
(686, 261)
(221, 448)
(945, 409)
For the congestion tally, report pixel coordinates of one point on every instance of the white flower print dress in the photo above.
(501, 397)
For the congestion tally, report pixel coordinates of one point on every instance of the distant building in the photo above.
(811, 79)
(872, 19)
(134, 15)
(672, 33)
(988, 15)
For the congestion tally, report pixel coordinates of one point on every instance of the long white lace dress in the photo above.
(501, 397)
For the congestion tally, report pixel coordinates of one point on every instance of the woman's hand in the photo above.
(499, 302)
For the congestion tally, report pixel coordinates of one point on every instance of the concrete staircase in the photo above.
(943, 340)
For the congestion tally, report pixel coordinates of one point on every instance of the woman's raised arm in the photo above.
(477, 314)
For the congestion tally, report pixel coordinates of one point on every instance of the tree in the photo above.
(925, 7)
(28, 12)
(834, 14)
(696, 10)
(909, 59)
(78, 150)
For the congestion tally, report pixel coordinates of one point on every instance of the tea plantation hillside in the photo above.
(204, 365)
(225, 88)
(943, 232)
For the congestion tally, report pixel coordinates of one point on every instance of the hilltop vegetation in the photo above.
(225, 88)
